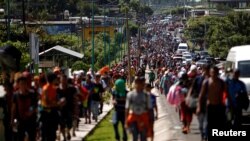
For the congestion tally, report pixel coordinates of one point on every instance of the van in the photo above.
(239, 58)
(182, 47)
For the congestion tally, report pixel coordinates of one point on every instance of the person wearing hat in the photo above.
(137, 110)
(119, 100)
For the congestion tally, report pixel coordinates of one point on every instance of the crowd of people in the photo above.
(36, 107)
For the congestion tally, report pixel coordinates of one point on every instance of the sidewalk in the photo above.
(85, 129)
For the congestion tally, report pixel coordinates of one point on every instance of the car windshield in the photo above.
(204, 53)
(202, 62)
(244, 67)
(182, 47)
(188, 57)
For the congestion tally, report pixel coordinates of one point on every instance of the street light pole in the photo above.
(139, 44)
(8, 20)
(93, 38)
(104, 36)
(82, 31)
(128, 47)
(24, 18)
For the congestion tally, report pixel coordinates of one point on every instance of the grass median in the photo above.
(104, 130)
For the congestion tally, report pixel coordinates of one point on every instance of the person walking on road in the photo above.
(212, 92)
(238, 93)
(137, 111)
(151, 77)
(165, 83)
(119, 100)
(153, 115)
(193, 94)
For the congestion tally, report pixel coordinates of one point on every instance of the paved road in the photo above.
(168, 127)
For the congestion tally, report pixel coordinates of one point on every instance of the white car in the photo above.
(182, 47)
(187, 58)
(186, 53)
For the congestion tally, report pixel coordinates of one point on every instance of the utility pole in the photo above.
(24, 18)
(93, 38)
(8, 20)
(128, 47)
(139, 44)
(82, 31)
(104, 36)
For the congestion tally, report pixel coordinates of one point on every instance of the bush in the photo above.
(79, 65)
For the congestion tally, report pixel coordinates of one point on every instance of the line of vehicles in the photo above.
(184, 56)
(238, 58)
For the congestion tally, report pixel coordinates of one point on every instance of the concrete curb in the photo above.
(93, 129)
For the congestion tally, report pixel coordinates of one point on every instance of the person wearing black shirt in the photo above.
(68, 110)
(96, 96)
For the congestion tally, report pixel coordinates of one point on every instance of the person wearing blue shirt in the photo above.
(238, 95)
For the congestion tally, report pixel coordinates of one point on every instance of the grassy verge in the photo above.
(104, 131)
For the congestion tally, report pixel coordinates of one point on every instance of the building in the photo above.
(75, 26)
(230, 3)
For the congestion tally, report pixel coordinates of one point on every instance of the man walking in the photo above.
(238, 93)
(138, 106)
(212, 91)
(96, 96)
(119, 101)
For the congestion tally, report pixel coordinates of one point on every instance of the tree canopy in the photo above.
(220, 33)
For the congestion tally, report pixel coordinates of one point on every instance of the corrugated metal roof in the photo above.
(63, 50)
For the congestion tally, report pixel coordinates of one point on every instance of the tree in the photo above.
(220, 33)
(79, 65)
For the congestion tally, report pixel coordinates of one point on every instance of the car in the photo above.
(186, 53)
(203, 54)
(182, 47)
(181, 30)
(238, 58)
(177, 39)
(177, 58)
(202, 62)
(187, 59)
